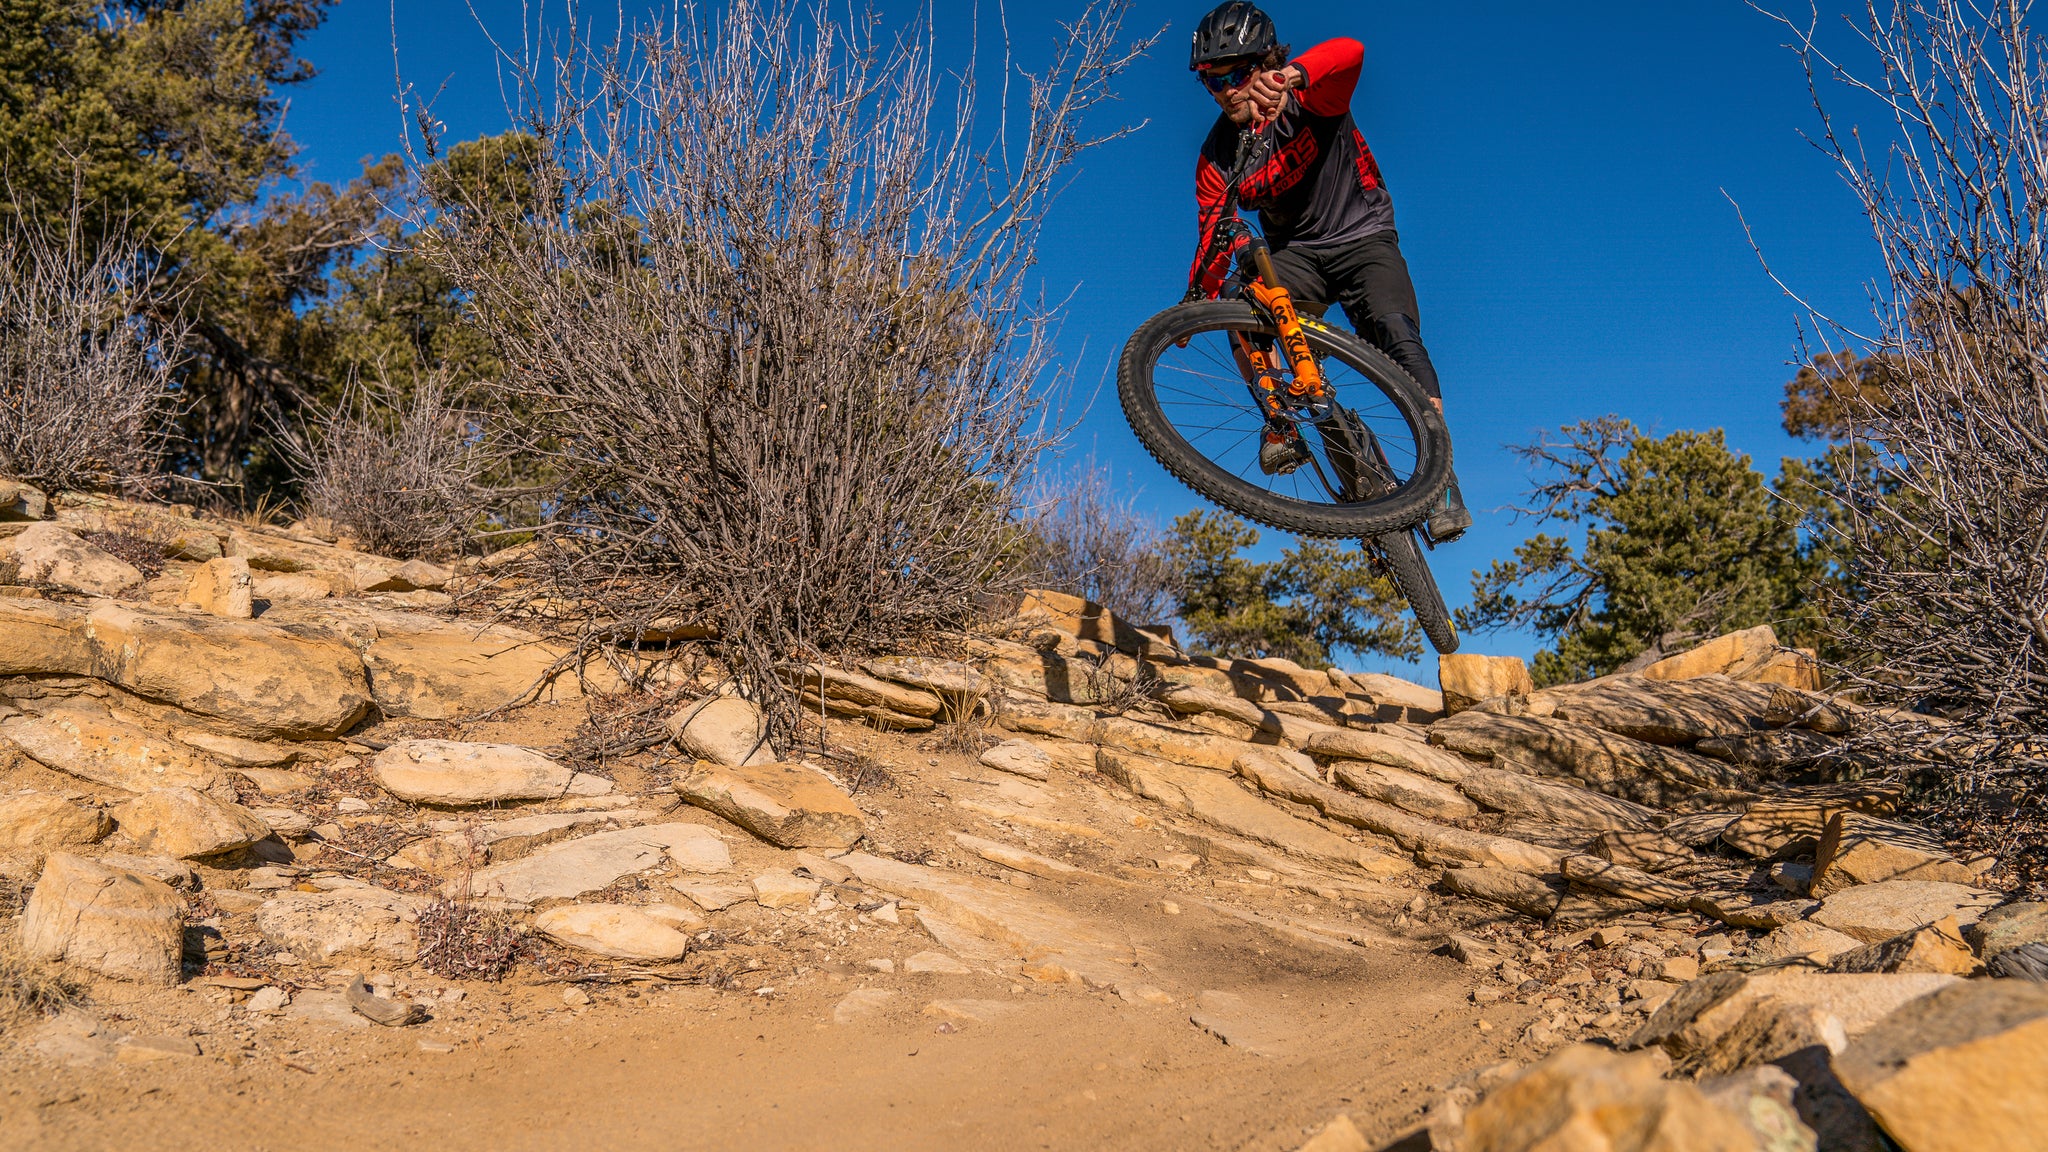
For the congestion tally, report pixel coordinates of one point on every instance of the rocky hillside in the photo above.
(296, 780)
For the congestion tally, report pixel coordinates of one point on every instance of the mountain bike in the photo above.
(1206, 383)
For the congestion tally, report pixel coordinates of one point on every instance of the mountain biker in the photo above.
(1322, 205)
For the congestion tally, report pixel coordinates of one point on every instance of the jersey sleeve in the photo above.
(1331, 70)
(1211, 265)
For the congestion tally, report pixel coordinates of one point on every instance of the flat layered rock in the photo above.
(1617, 765)
(1436, 843)
(2006, 928)
(1219, 800)
(621, 931)
(106, 920)
(1647, 849)
(1873, 912)
(1702, 1012)
(107, 751)
(20, 500)
(458, 774)
(356, 922)
(1405, 790)
(432, 668)
(725, 730)
(1395, 700)
(1858, 849)
(1674, 712)
(1629, 883)
(1803, 939)
(959, 684)
(38, 820)
(1553, 801)
(40, 638)
(187, 824)
(1734, 654)
(234, 751)
(579, 867)
(263, 679)
(1045, 718)
(1392, 751)
(1957, 1071)
(1199, 749)
(1019, 859)
(1583, 1097)
(790, 805)
(44, 553)
(855, 693)
(1517, 890)
(1050, 943)
(1938, 947)
(465, 844)
(1779, 828)
(1768, 753)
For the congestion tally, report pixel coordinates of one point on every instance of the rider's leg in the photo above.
(1379, 298)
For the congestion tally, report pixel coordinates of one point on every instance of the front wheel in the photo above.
(1185, 394)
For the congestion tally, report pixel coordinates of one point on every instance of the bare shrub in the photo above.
(85, 399)
(1088, 540)
(400, 471)
(761, 302)
(30, 987)
(459, 941)
(1949, 526)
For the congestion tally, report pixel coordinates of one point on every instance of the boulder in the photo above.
(458, 774)
(1874, 912)
(1587, 1099)
(2006, 928)
(725, 730)
(183, 823)
(1467, 678)
(272, 587)
(1394, 700)
(1087, 620)
(1938, 947)
(1858, 849)
(1674, 712)
(109, 752)
(39, 638)
(20, 500)
(1960, 1070)
(1617, 765)
(617, 930)
(105, 920)
(790, 805)
(263, 679)
(1019, 758)
(365, 923)
(1517, 890)
(579, 867)
(221, 588)
(1776, 829)
(37, 820)
(44, 553)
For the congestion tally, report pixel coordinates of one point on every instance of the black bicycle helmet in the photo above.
(1231, 31)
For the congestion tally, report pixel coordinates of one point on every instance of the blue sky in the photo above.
(1558, 171)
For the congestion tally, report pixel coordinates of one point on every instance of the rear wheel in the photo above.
(1412, 577)
(1186, 398)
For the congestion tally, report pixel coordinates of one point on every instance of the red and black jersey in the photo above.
(1318, 185)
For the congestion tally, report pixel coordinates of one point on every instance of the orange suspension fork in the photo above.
(1268, 291)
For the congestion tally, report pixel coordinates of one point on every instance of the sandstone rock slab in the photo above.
(781, 888)
(790, 805)
(1873, 912)
(1617, 765)
(2008, 927)
(1938, 947)
(44, 553)
(1958, 1070)
(364, 923)
(38, 820)
(1672, 712)
(1588, 1098)
(20, 500)
(234, 751)
(1019, 758)
(579, 867)
(221, 587)
(105, 920)
(39, 638)
(1703, 1011)
(458, 774)
(617, 930)
(187, 824)
(107, 751)
(1517, 890)
(1859, 849)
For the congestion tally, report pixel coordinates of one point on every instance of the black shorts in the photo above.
(1368, 278)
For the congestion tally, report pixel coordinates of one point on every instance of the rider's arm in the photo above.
(1211, 266)
(1329, 73)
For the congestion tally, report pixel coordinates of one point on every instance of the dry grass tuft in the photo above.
(459, 941)
(30, 987)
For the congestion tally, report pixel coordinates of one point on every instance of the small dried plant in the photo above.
(30, 987)
(459, 941)
(85, 396)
